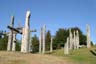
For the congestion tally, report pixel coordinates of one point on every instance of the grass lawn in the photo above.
(28, 58)
(81, 56)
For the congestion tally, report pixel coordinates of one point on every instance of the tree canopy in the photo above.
(62, 34)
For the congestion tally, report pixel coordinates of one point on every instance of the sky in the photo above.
(53, 13)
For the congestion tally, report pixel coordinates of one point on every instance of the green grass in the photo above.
(81, 56)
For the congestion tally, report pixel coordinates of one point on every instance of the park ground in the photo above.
(81, 56)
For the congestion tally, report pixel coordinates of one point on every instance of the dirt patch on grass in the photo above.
(20, 58)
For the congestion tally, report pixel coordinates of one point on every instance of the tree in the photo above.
(62, 34)
(35, 44)
(47, 40)
(60, 38)
(18, 47)
(3, 42)
(92, 43)
(82, 37)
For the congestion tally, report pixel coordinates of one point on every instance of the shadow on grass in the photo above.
(49, 52)
(93, 52)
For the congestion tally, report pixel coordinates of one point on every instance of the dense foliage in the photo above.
(47, 40)
(62, 34)
(3, 42)
(35, 44)
(58, 40)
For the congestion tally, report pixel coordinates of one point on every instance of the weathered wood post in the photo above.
(10, 35)
(26, 34)
(70, 39)
(88, 36)
(51, 44)
(44, 32)
(40, 41)
(66, 47)
(77, 39)
(14, 42)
